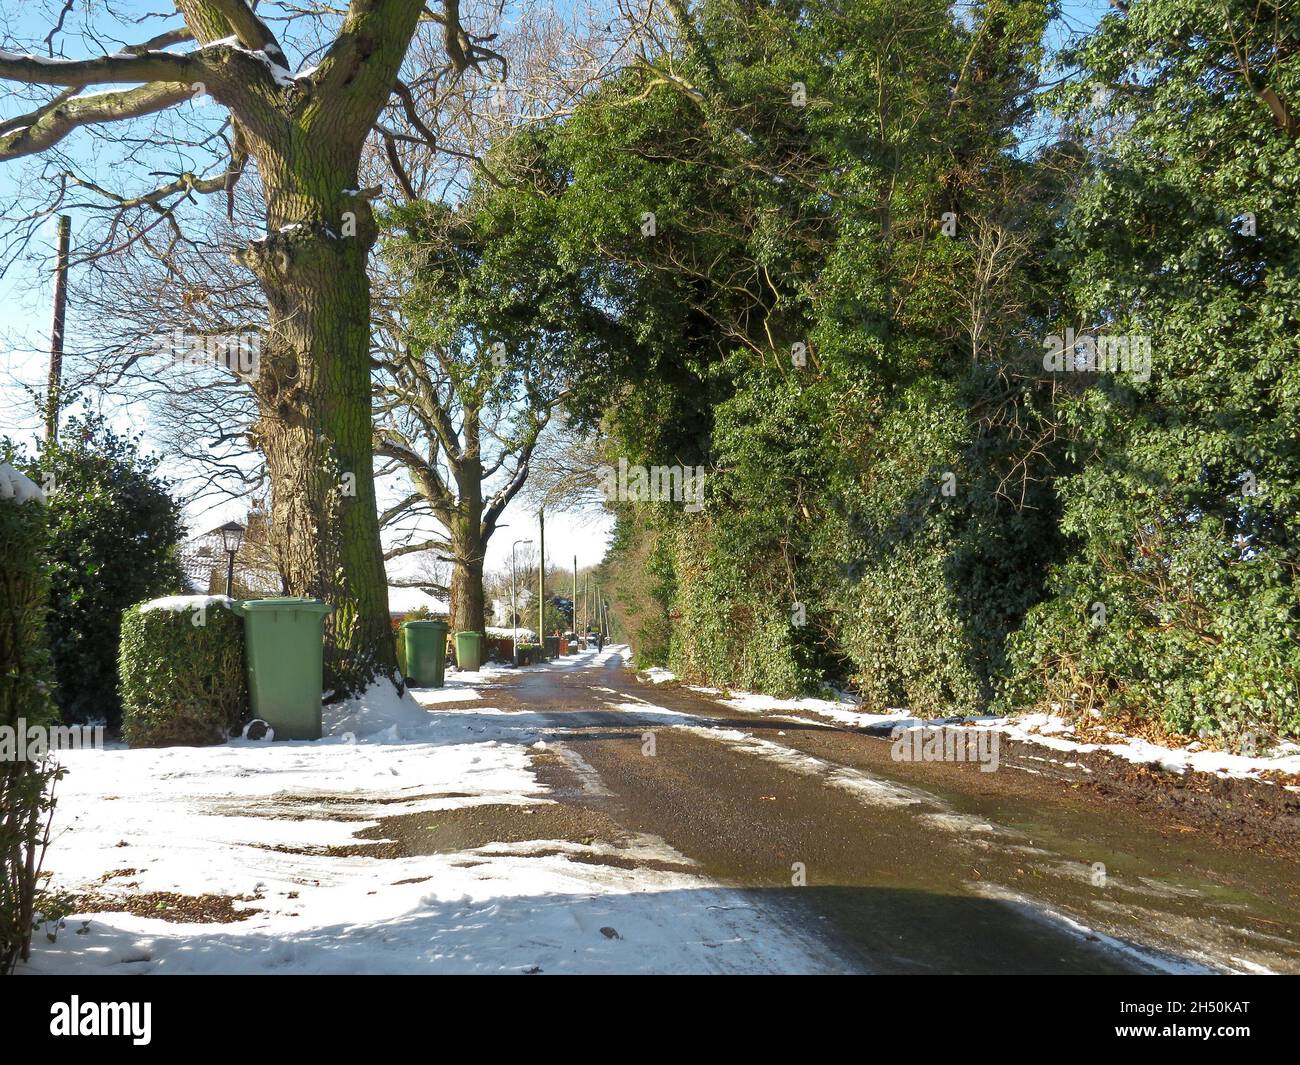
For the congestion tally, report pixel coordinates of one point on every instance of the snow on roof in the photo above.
(17, 486)
(406, 600)
(177, 603)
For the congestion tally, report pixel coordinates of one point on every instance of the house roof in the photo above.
(406, 600)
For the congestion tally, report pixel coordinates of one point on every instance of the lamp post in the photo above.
(541, 579)
(514, 608)
(232, 535)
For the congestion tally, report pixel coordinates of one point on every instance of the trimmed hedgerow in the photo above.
(181, 670)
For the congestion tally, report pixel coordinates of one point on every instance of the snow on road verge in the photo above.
(251, 821)
(1046, 730)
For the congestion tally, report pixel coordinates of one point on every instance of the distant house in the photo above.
(501, 612)
(403, 602)
(203, 560)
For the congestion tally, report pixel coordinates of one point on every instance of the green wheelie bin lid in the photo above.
(286, 602)
(284, 644)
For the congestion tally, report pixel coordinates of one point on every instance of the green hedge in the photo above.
(732, 616)
(182, 673)
(25, 695)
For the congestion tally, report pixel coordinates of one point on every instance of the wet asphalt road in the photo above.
(888, 869)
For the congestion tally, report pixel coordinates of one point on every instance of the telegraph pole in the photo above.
(575, 597)
(541, 580)
(56, 333)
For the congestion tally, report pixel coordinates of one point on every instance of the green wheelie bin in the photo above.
(469, 650)
(426, 652)
(285, 646)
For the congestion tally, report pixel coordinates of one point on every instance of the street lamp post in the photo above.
(541, 579)
(514, 607)
(232, 535)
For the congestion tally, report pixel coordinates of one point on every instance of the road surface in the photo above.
(887, 867)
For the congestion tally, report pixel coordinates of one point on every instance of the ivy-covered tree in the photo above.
(493, 326)
(814, 222)
(1181, 597)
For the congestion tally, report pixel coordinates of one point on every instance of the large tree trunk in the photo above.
(468, 543)
(468, 613)
(306, 131)
(313, 389)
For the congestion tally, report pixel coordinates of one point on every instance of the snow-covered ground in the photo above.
(250, 819)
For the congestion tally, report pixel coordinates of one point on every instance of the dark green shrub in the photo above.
(181, 669)
(114, 528)
(732, 614)
(940, 552)
(1180, 599)
(25, 797)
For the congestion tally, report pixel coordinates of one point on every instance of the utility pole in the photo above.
(541, 580)
(575, 597)
(56, 333)
(514, 605)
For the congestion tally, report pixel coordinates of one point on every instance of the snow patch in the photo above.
(379, 709)
(17, 486)
(1046, 730)
(256, 819)
(178, 603)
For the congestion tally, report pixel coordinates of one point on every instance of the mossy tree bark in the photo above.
(313, 379)
(313, 391)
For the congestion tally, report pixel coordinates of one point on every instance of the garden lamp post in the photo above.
(232, 535)
(514, 609)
